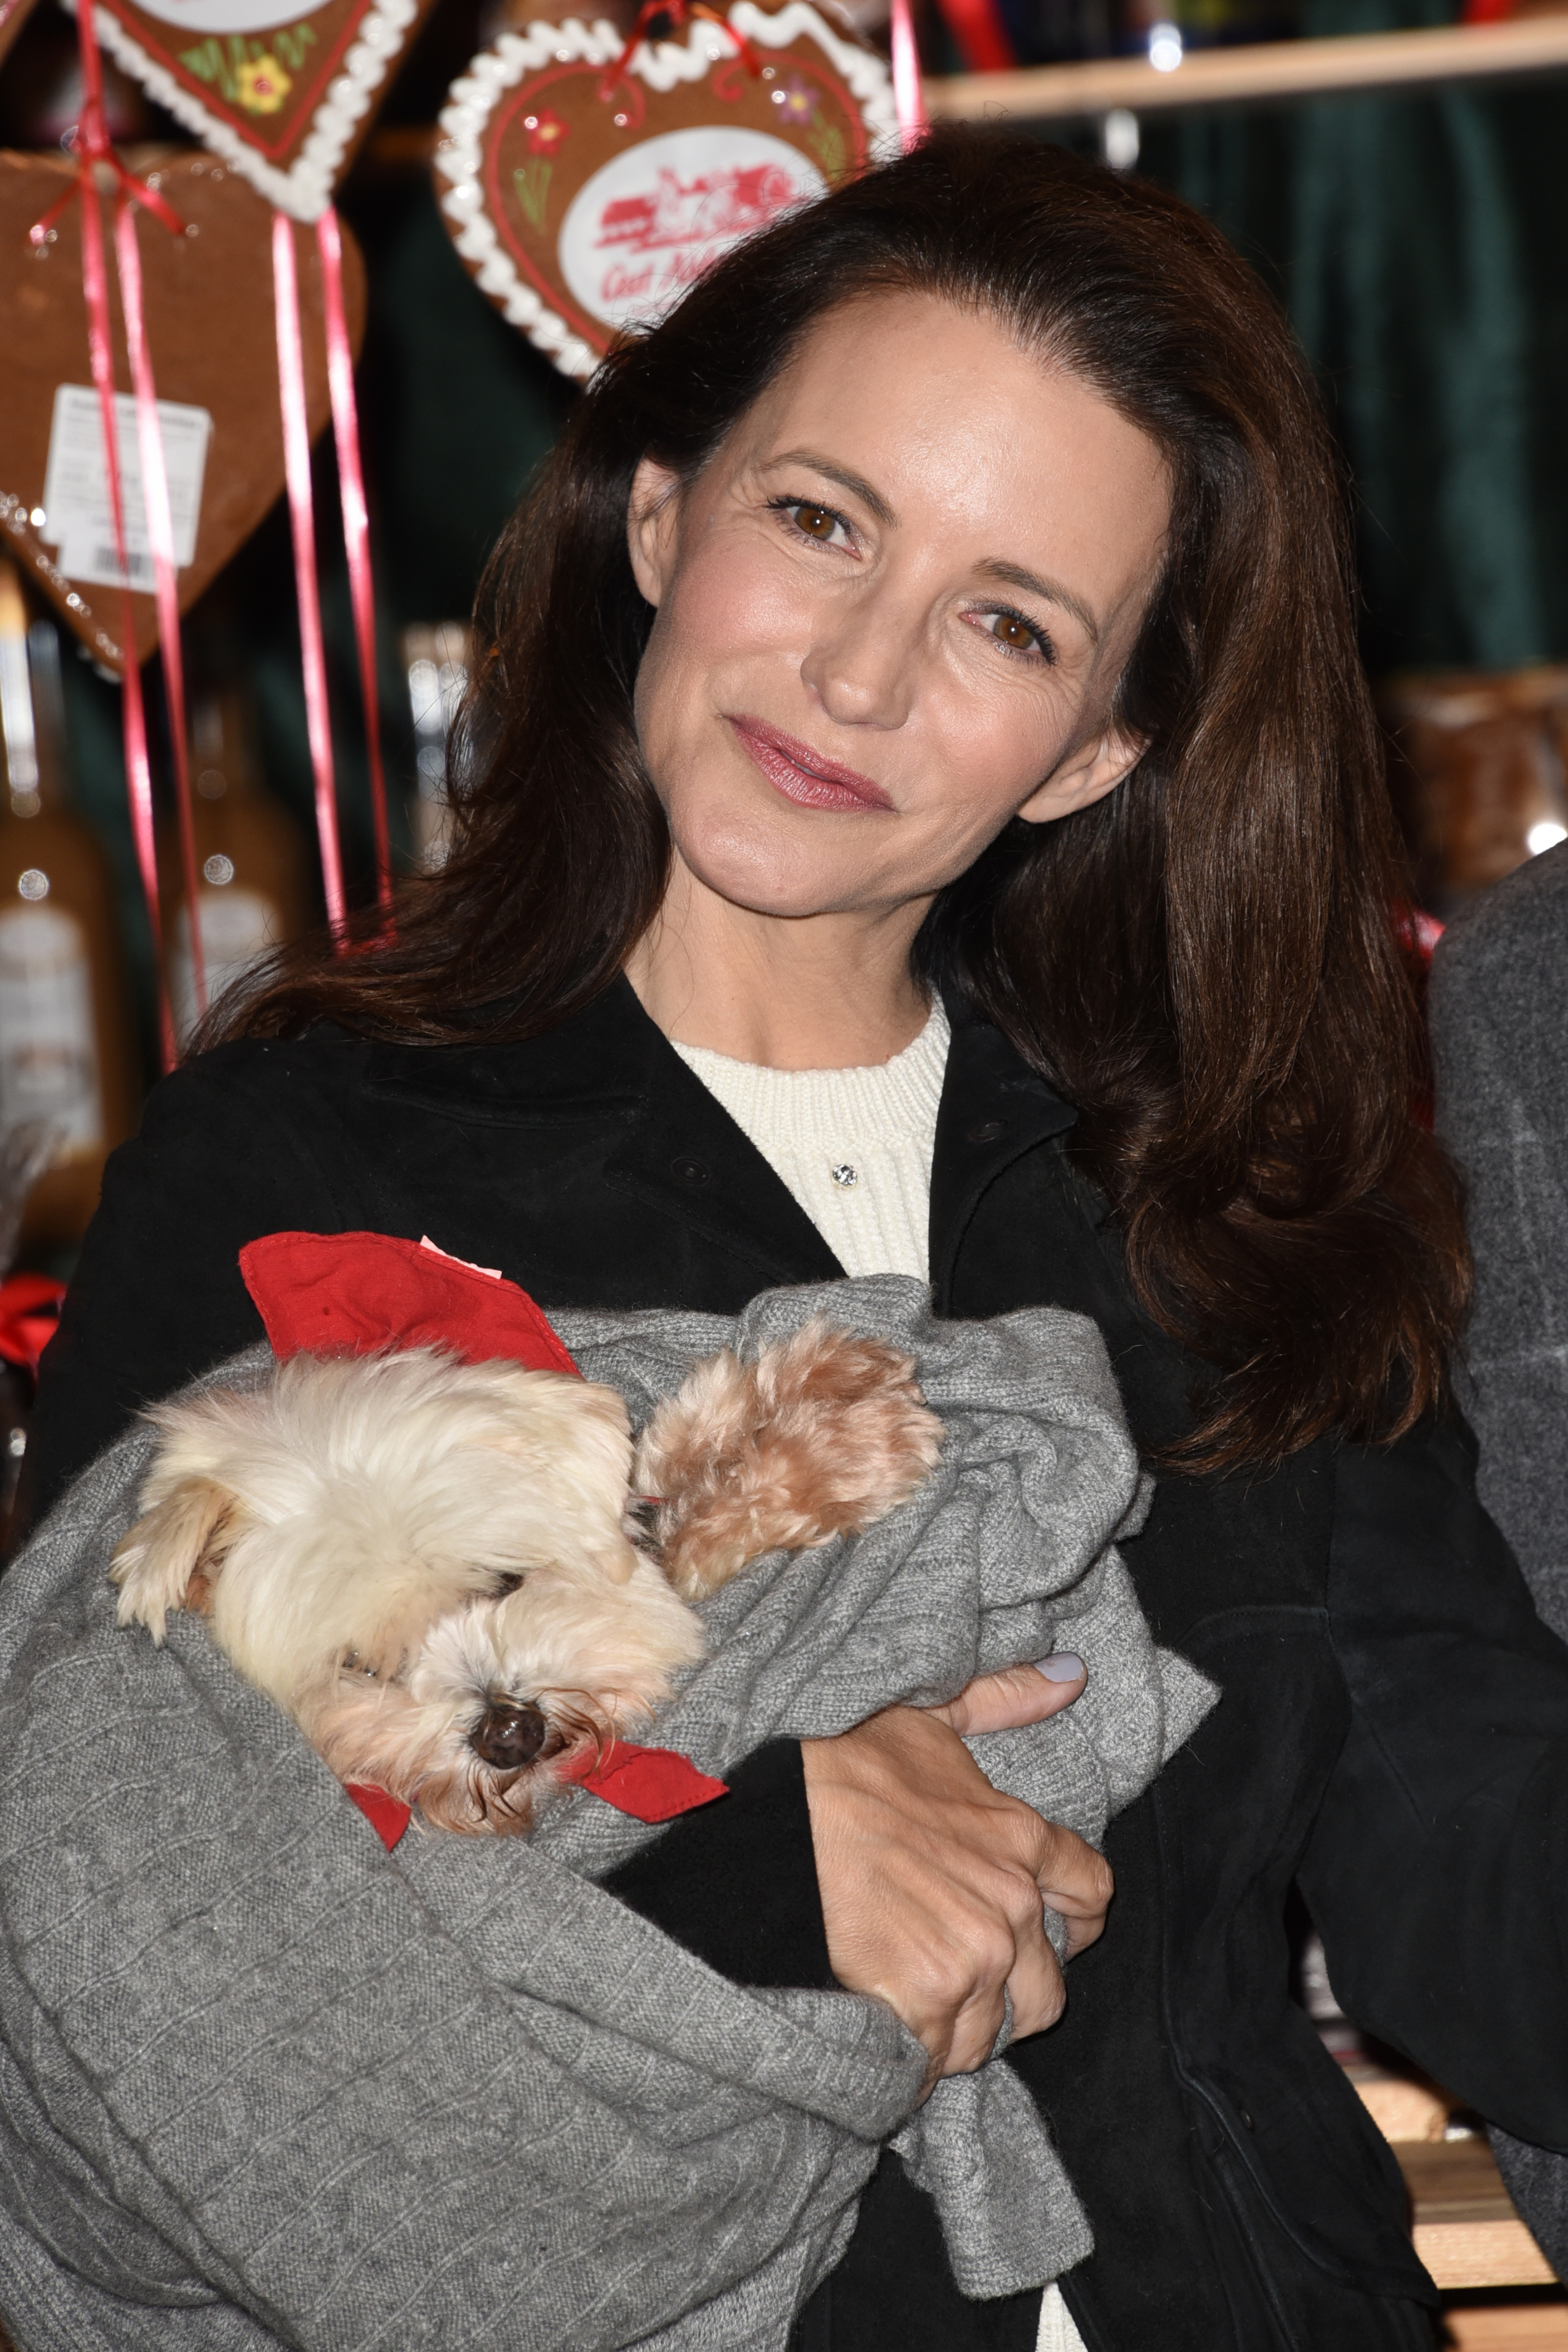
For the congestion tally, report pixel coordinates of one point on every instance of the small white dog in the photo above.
(446, 1572)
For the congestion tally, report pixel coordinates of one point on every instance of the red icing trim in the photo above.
(352, 1293)
(388, 1816)
(651, 1784)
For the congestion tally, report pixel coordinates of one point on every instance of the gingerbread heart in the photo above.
(207, 297)
(283, 92)
(585, 188)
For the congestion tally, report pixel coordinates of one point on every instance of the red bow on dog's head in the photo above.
(353, 1294)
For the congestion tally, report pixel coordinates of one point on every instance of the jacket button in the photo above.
(988, 1131)
(690, 1171)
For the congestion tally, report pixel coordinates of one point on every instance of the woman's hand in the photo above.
(932, 1881)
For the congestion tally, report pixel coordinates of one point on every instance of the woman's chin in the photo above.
(767, 876)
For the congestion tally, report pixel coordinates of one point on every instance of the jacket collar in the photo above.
(994, 1109)
(677, 1149)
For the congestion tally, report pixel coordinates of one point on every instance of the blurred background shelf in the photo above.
(1257, 71)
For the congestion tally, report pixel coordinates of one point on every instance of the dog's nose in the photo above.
(509, 1736)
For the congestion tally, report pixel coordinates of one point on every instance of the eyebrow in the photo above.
(1012, 575)
(857, 487)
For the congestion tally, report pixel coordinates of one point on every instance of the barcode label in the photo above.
(139, 573)
(78, 518)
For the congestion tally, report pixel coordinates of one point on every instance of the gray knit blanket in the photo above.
(263, 2084)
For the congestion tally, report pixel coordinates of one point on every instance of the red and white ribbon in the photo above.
(98, 158)
(161, 537)
(909, 96)
(302, 518)
(356, 533)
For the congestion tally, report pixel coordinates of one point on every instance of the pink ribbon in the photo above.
(356, 534)
(302, 518)
(907, 95)
(160, 535)
(98, 155)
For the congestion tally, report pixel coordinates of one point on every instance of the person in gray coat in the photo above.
(1499, 1039)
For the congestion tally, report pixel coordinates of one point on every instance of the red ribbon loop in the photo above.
(678, 13)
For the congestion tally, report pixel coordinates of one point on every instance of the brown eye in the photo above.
(817, 523)
(1012, 632)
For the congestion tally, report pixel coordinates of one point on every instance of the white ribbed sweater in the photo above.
(877, 1126)
(854, 1146)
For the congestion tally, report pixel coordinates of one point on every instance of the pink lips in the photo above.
(805, 776)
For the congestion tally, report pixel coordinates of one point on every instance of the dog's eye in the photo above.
(507, 1584)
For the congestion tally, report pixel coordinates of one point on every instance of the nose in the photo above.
(509, 1736)
(862, 663)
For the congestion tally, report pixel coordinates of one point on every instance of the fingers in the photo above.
(932, 1885)
(1014, 1697)
(1075, 1881)
(1038, 1990)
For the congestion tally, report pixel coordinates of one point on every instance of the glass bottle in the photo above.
(436, 658)
(250, 855)
(66, 1076)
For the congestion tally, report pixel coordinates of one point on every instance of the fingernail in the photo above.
(1063, 1667)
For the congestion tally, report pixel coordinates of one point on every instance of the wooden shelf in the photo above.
(1466, 2230)
(1505, 2327)
(1280, 70)
(1462, 2219)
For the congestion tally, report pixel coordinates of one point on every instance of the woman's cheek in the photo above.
(735, 600)
(991, 749)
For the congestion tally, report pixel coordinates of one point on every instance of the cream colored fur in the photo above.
(417, 1558)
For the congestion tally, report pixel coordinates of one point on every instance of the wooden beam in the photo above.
(1281, 71)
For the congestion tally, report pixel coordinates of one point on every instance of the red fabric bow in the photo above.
(651, 1784)
(353, 1294)
(29, 1313)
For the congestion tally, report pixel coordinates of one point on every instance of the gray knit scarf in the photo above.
(263, 2084)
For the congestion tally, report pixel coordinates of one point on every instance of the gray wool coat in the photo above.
(1500, 1036)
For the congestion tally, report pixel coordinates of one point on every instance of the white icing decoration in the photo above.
(474, 95)
(305, 189)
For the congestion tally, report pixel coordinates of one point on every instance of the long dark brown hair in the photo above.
(1206, 964)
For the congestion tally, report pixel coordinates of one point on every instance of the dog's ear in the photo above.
(171, 1557)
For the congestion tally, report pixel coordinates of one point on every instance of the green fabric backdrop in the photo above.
(1421, 245)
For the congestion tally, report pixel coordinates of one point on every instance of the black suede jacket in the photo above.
(1392, 1735)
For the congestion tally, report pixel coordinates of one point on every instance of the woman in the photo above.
(922, 810)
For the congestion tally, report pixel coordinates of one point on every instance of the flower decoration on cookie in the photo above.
(796, 100)
(545, 131)
(261, 84)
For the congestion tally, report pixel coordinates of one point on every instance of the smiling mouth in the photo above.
(805, 776)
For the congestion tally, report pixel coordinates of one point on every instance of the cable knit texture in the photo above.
(875, 1127)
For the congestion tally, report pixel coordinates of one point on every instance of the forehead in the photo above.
(953, 421)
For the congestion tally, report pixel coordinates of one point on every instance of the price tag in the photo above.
(77, 514)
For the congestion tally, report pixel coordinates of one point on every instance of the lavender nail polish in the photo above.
(1063, 1667)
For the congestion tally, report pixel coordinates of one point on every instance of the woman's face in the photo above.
(891, 612)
